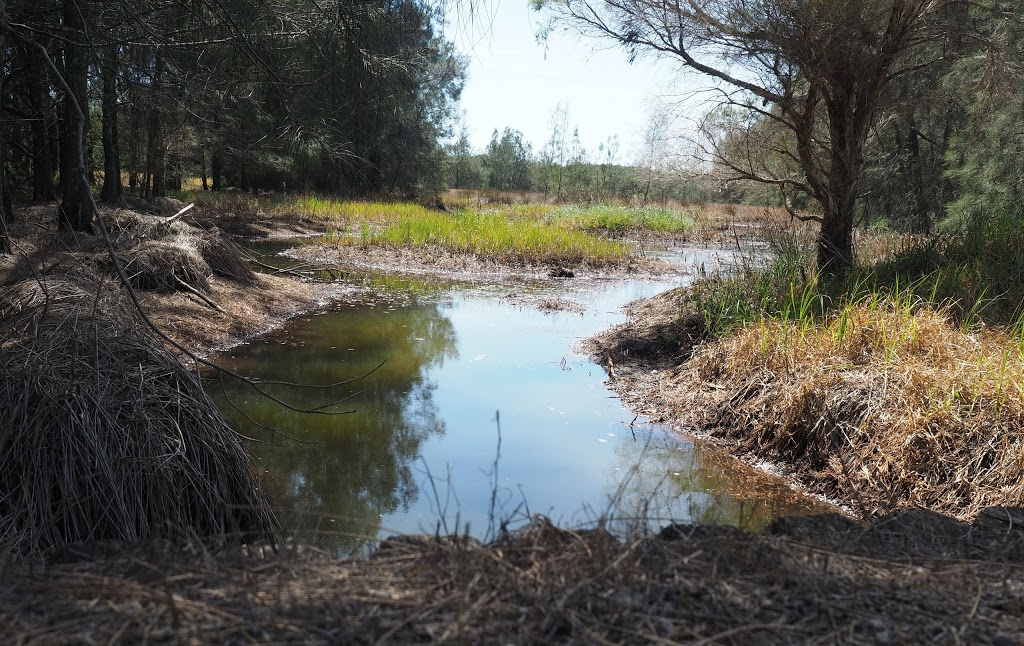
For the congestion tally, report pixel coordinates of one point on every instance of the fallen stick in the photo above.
(179, 214)
(195, 292)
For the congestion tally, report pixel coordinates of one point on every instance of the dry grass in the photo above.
(165, 266)
(106, 435)
(541, 584)
(883, 405)
(224, 258)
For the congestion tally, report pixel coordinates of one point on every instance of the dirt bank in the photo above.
(245, 310)
(910, 578)
(224, 313)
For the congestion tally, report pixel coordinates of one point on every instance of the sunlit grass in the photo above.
(522, 232)
(341, 212)
(625, 219)
(494, 237)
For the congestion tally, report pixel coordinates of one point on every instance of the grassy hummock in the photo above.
(901, 386)
(494, 237)
(106, 435)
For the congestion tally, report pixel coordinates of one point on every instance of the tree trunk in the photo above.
(155, 155)
(922, 217)
(202, 167)
(39, 103)
(216, 170)
(75, 210)
(835, 239)
(111, 147)
(6, 208)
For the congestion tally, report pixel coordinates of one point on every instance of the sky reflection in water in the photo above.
(454, 356)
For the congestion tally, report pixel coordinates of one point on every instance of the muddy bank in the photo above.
(910, 578)
(245, 311)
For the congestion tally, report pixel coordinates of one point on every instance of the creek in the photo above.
(450, 368)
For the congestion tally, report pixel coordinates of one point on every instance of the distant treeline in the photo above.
(563, 171)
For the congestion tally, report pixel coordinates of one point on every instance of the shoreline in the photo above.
(903, 578)
(777, 408)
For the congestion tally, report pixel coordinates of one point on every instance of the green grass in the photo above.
(533, 232)
(624, 219)
(494, 237)
(340, 212)
(976, 276)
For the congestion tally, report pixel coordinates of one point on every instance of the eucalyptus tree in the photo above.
(818, 69)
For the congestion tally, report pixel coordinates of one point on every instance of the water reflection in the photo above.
(663, 479)
(342, 473)
(454, 355)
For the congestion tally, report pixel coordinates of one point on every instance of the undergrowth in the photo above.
(975, 276)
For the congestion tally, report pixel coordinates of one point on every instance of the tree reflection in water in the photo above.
(342, 473)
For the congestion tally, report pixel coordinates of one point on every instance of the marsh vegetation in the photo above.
(864, 343)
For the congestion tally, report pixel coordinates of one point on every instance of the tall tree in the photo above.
(819, 69)
(75, 210)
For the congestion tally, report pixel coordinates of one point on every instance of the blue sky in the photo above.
(514, 82)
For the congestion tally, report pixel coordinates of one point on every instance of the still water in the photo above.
(449, 369)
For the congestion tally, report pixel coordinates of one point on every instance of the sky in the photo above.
(515, 82)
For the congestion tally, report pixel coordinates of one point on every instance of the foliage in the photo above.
(984, 158)
(347, 97)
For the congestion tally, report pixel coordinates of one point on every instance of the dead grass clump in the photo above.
(224, 258)
(882, 405)
(170, 256)
(105, 434)
(165, 266)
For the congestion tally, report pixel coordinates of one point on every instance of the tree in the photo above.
(984, 159)
(346, 96)
(464, 169)
(553, 155)
(508, 161)
(75, 211)
(817, 68)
